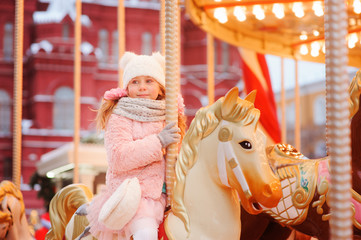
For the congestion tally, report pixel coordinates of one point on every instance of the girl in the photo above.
(135, 139)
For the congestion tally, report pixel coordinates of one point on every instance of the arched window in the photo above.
(103, 44)
(115, 49)
(147, 43)
(66, 31)
(225, 56)
(5, 112)
(63, 111)
(319, 110)
(8, 41)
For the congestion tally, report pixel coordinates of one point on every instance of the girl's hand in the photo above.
(169, 134)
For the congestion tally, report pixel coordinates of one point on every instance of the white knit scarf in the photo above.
(140, 109)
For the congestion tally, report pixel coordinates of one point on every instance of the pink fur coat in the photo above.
(131, 146)
(133, 150)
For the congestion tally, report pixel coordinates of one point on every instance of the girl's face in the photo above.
(143, 87)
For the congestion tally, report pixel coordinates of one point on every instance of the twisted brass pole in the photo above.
(338, 130)
(171, 85)
(18, 88)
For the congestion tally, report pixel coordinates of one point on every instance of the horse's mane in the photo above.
(9, 188)
(63, 206)
(204, 123)
(355, 91)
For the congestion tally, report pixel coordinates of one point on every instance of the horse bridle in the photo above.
(226, 153)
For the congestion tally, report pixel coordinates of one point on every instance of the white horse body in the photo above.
(208, 203)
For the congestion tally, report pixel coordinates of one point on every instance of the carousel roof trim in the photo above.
(270, 34)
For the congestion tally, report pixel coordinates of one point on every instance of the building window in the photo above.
(115, 49)
(158, 43)
(290, 116)
(8, 41)
(319, 110)
(66, 31)
(63, 112)
(5, 112)
(147, 43)
(225, 56)
(103, 44)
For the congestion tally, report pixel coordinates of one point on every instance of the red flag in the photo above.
(256, 76)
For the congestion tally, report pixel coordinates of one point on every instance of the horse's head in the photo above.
(13, 209)
(242, 162)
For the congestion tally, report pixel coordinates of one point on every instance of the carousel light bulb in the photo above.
(357, 6)
(316, 33)
(240, 13)
(315, 49)
(221, 14)
(317, 8)
(279, 10)
(352, 40)
(303, 36)
(324, 48)
(258, 12)
(303, 49)
(297, 8)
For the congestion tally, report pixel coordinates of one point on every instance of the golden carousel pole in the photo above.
(18, 88)
(162, 26)
(77, 84)
(210, 63)
(338, 129)
(297, 110)
(283, 104)
(121, 38)
(171, 84)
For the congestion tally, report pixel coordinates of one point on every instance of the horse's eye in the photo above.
(246, 145)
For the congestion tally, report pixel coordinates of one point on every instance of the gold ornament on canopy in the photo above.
(287, 28)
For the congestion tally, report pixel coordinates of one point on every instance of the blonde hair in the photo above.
(204, 123)
(107, 106)
(63, 206)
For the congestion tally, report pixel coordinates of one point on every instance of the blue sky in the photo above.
(308, 72)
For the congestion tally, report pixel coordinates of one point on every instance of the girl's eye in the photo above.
(149, 80)
(246, 145)
(135, 82)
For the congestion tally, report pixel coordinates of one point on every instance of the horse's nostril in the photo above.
(267, 191)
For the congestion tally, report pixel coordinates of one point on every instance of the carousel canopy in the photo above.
(288, 28)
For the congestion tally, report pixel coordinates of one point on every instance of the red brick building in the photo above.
(48, 70)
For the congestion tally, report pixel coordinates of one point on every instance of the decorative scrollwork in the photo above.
(322, 190)
(300, 198)
(289, 150)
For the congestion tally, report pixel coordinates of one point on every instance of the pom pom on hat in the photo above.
(135, 65)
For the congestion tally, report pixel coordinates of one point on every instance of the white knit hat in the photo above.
(135, 65)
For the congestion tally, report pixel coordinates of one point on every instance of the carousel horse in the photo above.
(67, 213)
(222, 160)
(13, 223)
(305, 185)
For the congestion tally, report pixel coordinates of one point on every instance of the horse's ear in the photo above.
(251, 97)
(229, 101)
